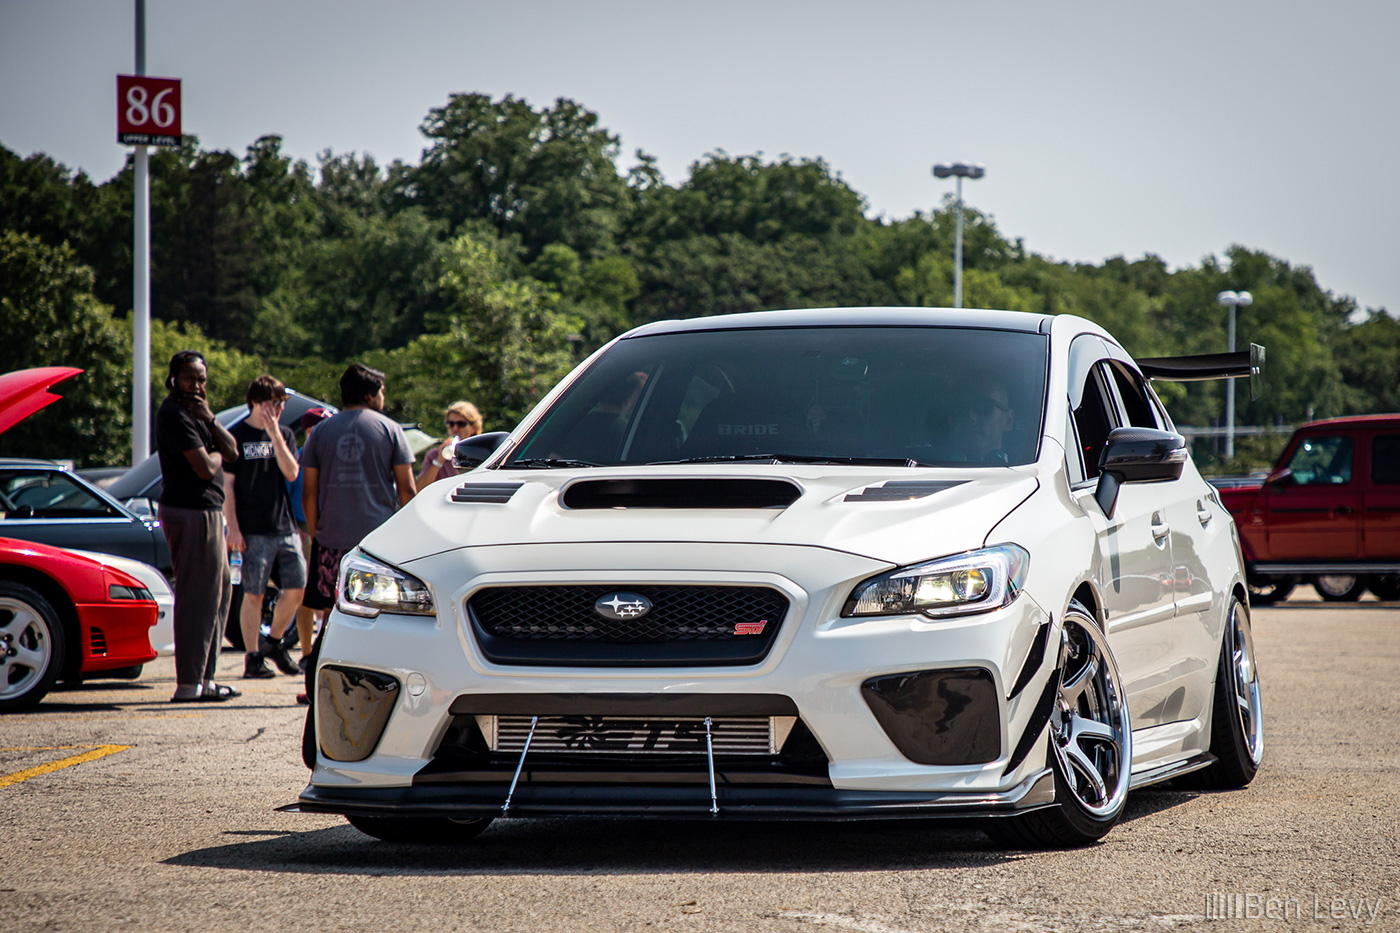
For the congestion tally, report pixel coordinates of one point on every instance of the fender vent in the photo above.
(98, 642)
(681, 494)
(485, 492)
(897, 491)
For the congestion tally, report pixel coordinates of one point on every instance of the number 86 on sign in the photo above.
(148, 110)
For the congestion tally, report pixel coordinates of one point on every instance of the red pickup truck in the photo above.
(1327, 514)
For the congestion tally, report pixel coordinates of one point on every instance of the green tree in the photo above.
(760, 202)
(544, 176)
(705, 275)
(1368, 356)
(596, 294)
(929, 284)
(508, 335)
(49, 317)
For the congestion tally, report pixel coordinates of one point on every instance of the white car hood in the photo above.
(835, 511)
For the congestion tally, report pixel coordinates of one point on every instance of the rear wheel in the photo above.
(1237, 716)
(32, 646)
(1090, 746)
(1339, 587)
(423, 830)
(1386, 586)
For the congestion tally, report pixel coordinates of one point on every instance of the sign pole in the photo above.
(141, 281)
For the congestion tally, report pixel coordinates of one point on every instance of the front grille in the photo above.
(685, 624)
(623, 735)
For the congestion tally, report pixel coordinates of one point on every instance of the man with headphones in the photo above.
(193, 448)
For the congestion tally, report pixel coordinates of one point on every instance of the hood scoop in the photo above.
(485, 492)
(680, 494)
(899, 491)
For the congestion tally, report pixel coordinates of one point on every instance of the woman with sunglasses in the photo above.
(463, 421)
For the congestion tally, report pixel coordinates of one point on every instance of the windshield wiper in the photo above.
(791, 458)
(550, 463)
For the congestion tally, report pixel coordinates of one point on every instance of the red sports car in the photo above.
(62, 617)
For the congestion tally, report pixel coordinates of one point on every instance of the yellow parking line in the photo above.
(100, 751)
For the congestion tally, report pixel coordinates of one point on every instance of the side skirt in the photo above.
(1168, 771)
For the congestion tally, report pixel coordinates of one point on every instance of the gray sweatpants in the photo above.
(203, 589)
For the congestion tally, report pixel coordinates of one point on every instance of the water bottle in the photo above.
(235, 566)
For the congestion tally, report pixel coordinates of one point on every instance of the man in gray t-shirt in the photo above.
(357, 471)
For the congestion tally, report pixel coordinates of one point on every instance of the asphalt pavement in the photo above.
(121, 811)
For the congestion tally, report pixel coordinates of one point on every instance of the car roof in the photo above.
(31, 462)
(854, 317)
(1359, 421)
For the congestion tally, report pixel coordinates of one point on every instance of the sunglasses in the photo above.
(456, 424)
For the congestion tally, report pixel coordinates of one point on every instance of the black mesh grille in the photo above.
(685, 625)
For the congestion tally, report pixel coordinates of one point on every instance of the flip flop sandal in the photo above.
(219, 693)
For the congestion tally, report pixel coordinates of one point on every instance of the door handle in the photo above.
(1343, 510)
(1159, 527)
(1203, 513)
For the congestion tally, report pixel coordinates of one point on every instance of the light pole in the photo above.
(959, 170)
(1232, 300)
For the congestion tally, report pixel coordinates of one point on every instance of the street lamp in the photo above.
(959, 170)
(1232, 300)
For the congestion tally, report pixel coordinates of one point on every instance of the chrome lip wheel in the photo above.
(1248, 703)
(25, 649)
(1089, 728)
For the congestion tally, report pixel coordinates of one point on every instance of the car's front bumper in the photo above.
(821, 667)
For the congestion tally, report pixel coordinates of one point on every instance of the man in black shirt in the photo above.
(193, 449)
(257, 507)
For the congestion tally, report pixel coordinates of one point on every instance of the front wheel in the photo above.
(31, 647)
(417, 829)
(1237, 713)
(1267, 589)
(1091, 743)
(1339, 587)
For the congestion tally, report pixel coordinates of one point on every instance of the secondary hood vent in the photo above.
(899, 491)
(485, 492)
(681, 494)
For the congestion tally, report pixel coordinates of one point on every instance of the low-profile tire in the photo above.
(421, 830)
(1339, 587)
(32, 646)
(1386, 586)
(1237, 720)
(1091, 746)
(1267, 589)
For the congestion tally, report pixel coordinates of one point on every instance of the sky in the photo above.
(1107, 128)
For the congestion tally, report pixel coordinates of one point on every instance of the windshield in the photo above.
(903, 395)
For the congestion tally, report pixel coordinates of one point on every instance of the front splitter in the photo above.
(673, 802)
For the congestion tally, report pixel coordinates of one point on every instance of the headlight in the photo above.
(369, 587)
(978, 581)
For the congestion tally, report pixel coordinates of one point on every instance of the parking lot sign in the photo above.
(148, 110)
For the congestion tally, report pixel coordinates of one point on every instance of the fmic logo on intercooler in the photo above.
(617, 607)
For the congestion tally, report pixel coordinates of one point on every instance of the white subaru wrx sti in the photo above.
(836, 563)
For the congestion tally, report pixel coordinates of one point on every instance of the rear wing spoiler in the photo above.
(1205, 366)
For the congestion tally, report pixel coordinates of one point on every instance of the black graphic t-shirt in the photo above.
(260, 496)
